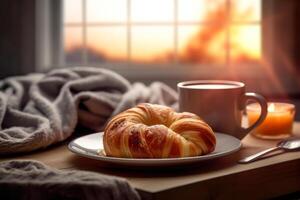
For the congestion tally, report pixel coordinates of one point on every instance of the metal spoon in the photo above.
(286, 145)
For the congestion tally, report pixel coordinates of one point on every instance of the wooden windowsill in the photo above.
(220, 178)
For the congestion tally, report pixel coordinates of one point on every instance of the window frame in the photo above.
(50, 53)
(49, 38)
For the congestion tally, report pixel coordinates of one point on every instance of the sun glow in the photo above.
(205, 32)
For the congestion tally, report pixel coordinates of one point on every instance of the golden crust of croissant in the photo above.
(156, 131)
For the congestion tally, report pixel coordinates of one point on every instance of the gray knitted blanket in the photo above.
(22, 180)
(38, 110)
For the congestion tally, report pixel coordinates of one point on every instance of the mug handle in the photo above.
(264, 109)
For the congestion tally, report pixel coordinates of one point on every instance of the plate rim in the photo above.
(152, 161)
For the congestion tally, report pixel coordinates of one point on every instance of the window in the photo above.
(162, 32)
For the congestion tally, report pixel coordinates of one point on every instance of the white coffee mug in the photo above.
(220, 103)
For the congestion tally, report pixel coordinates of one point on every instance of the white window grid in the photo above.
(129, 24)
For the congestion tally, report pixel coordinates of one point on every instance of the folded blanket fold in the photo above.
(38, 110)
(34, 180)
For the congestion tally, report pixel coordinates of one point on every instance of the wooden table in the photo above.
(222, 178)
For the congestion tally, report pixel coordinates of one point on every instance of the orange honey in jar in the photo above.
(278, 123)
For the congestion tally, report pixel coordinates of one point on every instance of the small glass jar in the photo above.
(278, 123)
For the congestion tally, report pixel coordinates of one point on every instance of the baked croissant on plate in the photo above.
(156, 131)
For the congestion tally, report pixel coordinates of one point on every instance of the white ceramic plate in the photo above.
(90, 145)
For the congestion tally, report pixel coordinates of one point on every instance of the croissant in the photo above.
(156, 131)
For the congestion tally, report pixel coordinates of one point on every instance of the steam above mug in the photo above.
(220, 103)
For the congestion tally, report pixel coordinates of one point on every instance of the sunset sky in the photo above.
(200, 28)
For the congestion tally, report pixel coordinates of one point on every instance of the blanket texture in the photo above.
(33, 180)
(38, 110)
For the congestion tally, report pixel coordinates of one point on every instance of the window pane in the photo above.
(106, 43)
(201, 44)
(152, 10)
(246, 10)
(201, 10)
(106, 10)
(72, 11)
(245, 44)
(152, 44)
(73, 46)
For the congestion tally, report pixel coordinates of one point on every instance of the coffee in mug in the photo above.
(220, 104)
